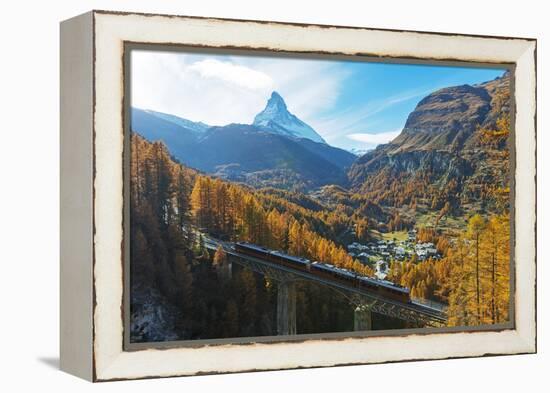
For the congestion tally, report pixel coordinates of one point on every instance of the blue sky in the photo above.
(351, 104)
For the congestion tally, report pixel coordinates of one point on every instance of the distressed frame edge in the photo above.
(305, 24)
(528, 339)
(526, 153)
(76, 196)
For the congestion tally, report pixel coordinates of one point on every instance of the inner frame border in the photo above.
(129, 46)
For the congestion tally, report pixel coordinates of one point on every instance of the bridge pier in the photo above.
(286, 308)
(362, 318)
(365, 304)
(224, 270)
(228, 270)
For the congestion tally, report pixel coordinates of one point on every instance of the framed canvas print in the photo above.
(246, 195)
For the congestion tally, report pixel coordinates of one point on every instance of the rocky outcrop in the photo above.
(444, 120)
(440, 138)
(413, 161)
(152, 318)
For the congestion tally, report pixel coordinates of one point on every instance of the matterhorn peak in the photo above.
(275, 105)
(276, 118)
(277, 100)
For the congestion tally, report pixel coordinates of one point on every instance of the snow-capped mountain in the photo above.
(198, 127)
(359, 151)
(276, 118)
(277, 150)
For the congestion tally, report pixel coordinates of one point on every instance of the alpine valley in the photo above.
(441, 155)
(428, 211)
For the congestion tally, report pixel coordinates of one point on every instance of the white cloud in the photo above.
(219, 90)
(166, 82)
(309, 86)
(374, 139)
(232, 73)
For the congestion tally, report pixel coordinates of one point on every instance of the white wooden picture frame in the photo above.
(92, 208)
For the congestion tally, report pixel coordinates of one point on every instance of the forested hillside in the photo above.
(473, 276)
(453, 179)
(177, 288)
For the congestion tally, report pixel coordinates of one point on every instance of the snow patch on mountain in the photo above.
(198, 127)
(276, 117)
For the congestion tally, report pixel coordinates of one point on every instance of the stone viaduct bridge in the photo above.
(419, 314)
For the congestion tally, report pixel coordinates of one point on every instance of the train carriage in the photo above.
(381, 287)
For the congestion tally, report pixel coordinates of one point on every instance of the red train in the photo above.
(383, 288)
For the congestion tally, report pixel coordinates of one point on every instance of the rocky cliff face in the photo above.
(441, 141)
(410, 162)
(448, 118)
(444, 120)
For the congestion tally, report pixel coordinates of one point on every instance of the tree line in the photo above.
(236, 213)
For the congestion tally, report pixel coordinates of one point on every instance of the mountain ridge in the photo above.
(278, 151)
(197, 126)
(443, 153)
(448, 117)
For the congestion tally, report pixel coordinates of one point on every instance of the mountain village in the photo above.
(381, 253)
